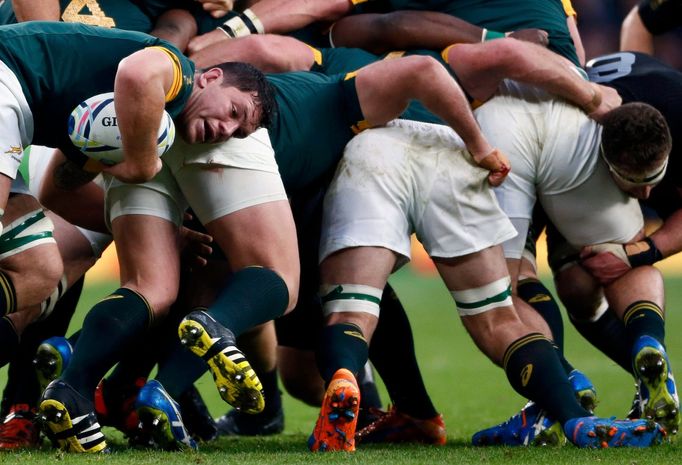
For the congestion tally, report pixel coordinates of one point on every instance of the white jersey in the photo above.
(553, 148)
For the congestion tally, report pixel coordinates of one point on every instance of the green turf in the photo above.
(469, 391)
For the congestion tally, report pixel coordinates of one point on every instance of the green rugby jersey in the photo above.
(121, 14)
(314, 122)
(59, 65)
(497, 15)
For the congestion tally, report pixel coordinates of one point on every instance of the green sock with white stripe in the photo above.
(341, 346)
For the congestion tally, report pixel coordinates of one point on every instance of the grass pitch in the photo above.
(470, 392)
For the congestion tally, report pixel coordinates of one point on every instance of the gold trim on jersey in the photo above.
(317, 55)
(360, 126)
(72, 14)
(568, 8)
(177, 73)
(445, 52)
(395, 54)
(357, 2)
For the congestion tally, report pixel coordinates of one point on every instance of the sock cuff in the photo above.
(639, 307)
(126, 293)
(521, 343)
(8, 295)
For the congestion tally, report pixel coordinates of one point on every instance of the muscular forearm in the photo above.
(36, 10)
(280, 16)
(403, 30)
(668, 238)
(175, 26)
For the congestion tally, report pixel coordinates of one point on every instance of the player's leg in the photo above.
(144, 220)
(252, 224)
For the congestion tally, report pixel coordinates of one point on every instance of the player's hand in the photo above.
(610, 99)
(217, 8)
(202, 41)
(497, 163)
(133, 172)
(195, 245)
(605, 262)
(536, 36)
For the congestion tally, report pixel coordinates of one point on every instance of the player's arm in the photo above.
(481, 67)
(175, 26)
(385, 88)
(141, 89)
(274, 17)
(36, 10)
(634, 36)
(270, 53)
(405, 30)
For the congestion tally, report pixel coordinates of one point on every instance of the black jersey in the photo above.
(660, 16)
(641, 78)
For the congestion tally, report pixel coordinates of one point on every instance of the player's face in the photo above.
(637, 185)
(215, 113)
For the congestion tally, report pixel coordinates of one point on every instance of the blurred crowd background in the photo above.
(599, 24)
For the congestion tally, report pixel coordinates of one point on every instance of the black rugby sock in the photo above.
(644, 318)
(535, 372)
(8, 295)
(608, 334)
(396, 362)
(536, 294)
(253, 296)
(341, 346)
(9, 340)
(112, 326)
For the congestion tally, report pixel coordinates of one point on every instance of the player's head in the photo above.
(636, 143)
(228, 100)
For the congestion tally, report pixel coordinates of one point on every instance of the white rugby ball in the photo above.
(93, 128)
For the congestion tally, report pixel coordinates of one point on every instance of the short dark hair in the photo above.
(248, 78)
(636, 137)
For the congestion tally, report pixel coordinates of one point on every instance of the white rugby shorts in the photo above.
(16, 122)
(411, 177)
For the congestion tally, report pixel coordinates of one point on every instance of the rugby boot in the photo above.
(531, 426)
(584, 390)
(235, 423)
(601, 433)
(236, 381)
(336, 423)
(394, 426)
(658, 394)
(19, 429)
(51, 359)
(115, 406)
(160, 415)
(69, 419)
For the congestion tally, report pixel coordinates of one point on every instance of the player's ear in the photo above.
(208, 76)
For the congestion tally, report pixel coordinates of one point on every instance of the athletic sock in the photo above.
(369, 394)
(341, 346)
(109, 329)
(9, 341)
(271, 392)
(535, 372)
(179, 370)
(22, 383)
(535, 294)
(607, 334)
(644, 318)
(8, 295)
(392, 354)
(253, 296)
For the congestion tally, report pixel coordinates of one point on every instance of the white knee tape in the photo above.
(482, 299)
(26, 232)
(48, 304)
(350, 298)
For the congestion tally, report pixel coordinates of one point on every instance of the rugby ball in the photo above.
(93, 128)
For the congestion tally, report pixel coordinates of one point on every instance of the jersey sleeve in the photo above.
(568, 8)
(183, 79)
(660, 16)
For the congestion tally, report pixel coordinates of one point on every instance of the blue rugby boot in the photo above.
(658, 394)
(160, 416)
(601, 433)
(51, 359)
(69, 419)
(531, 426)
(236, 381)
(584, 390)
